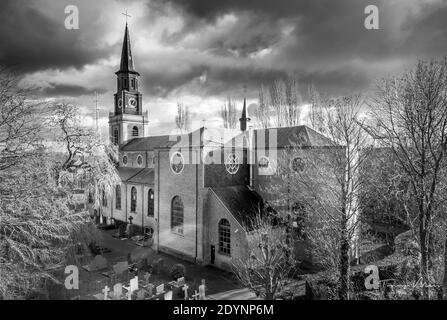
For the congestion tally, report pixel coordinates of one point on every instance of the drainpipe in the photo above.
(158, 200)
(142, 209)
(197, 203)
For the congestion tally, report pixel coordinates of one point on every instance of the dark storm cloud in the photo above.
(32, 41)
(328, 45)
(321, 41)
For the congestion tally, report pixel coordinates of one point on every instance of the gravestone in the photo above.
(98, 263)
(147, 275)
(160, 289)
(202, 290)
(117, 291)
(120, 267)
(133, 284)
(141, 294)
(195, 296)
(150, 289)
(185, 290)
(168, 295)
(106, 292)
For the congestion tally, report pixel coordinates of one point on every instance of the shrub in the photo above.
(178, 270)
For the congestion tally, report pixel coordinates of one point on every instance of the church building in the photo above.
(195, 193)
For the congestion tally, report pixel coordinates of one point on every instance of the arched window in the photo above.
(177, 215)
(116, 136)
(150, 203)
(135, 131)
(104, 199)
(224, 237)
(133, 199)
(118, 197)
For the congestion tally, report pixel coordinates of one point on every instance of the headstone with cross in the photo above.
(195, 296)
(185, 289)
(106, 292)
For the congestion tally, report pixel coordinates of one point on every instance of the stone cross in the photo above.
(185, 289)
(106, 292)
(196, 295)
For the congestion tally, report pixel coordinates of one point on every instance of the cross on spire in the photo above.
(127, 15)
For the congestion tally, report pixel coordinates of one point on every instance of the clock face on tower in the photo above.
(120, 103)
(131, 103)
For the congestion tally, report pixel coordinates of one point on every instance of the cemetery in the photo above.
(127, 271)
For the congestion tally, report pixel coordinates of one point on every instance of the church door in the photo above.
(213, 254)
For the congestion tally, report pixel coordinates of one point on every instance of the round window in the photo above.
(298, 164)
(232, 163)
(177, 162)
(140, 160)
(125, 160)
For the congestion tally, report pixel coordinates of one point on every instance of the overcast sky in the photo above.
(201, 51)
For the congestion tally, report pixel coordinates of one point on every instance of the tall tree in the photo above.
(229, 114)
(40, 216)
(279, 105)
(262, 112)
(182, 118)
(325, 182)
(411, 120)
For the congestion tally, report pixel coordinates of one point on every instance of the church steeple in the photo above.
(244, 119)
(126, 64)
(128, 120)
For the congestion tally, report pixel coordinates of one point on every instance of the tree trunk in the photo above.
(444, 281)
(424, 259)
(343, 292)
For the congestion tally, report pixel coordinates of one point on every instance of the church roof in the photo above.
(145, 176)
(136, 175)
(241, 202)
(126, 64)
(149, 143)
(302, 136)
(127, 173)
(214, 137)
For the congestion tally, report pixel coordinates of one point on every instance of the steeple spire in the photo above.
(126, 64)
(244, 119)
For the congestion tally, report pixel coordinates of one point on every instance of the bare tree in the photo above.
(182, 118)
(411, 116)
(229, 115)
(325, 182)
(280, 104)
(269, 260)
(262, 112)
(316, 109)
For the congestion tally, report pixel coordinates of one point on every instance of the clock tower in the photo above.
(127, 121)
